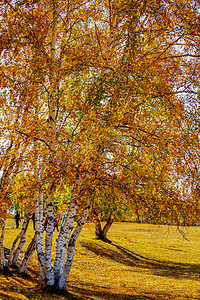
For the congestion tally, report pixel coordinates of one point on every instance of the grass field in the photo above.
(144, 262)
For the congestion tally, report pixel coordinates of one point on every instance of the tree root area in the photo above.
(54, 290)
(6, 271)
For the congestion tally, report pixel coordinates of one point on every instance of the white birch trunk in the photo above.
(10, 258)
(71, 248)
(48, 245)
(14, 253)
(21, 242)
(38, 200)
(68, 231)
(41, 213)
(27, 256)
(50, 278)
(38, 234)
(53, 86)
(2, 254)
(63, 239)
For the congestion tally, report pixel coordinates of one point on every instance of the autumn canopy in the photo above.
(99, 101)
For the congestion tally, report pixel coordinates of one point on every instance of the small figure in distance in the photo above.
(17, 219)
(56, 223)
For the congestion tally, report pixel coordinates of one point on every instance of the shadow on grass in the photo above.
(14, 289)
(90, 290)
(156, 267)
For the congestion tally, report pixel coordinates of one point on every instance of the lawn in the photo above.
(143, 262)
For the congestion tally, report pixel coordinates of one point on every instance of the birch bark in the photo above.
(22, 239)
(38, 200)
(27, 256)
(14, 253)
(63, 239)
(71, 249)
(39, 236)
(50, 278)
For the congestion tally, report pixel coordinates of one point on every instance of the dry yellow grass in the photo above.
(144, 262)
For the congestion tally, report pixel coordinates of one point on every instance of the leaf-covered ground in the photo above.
(144, 262)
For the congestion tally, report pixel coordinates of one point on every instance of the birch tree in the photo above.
(97, 86)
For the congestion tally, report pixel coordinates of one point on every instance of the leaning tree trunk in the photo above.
(21, 242)
(71, 248)
(2, 254)
(101, 234)
(21, 237)
(27, 256)
(63, 239)
(56, 276)
(98, 229)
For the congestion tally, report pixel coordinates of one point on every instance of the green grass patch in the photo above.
(143, 262)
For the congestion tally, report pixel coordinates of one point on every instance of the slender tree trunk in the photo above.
(39, 233)
(22, 240)
(71, 248)
(98, 229)
(2, 254)
(109, 222)
(14, 254)
(27, 256)
(63, 239)
(50, 278)
(102, 234)
(38, 211)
